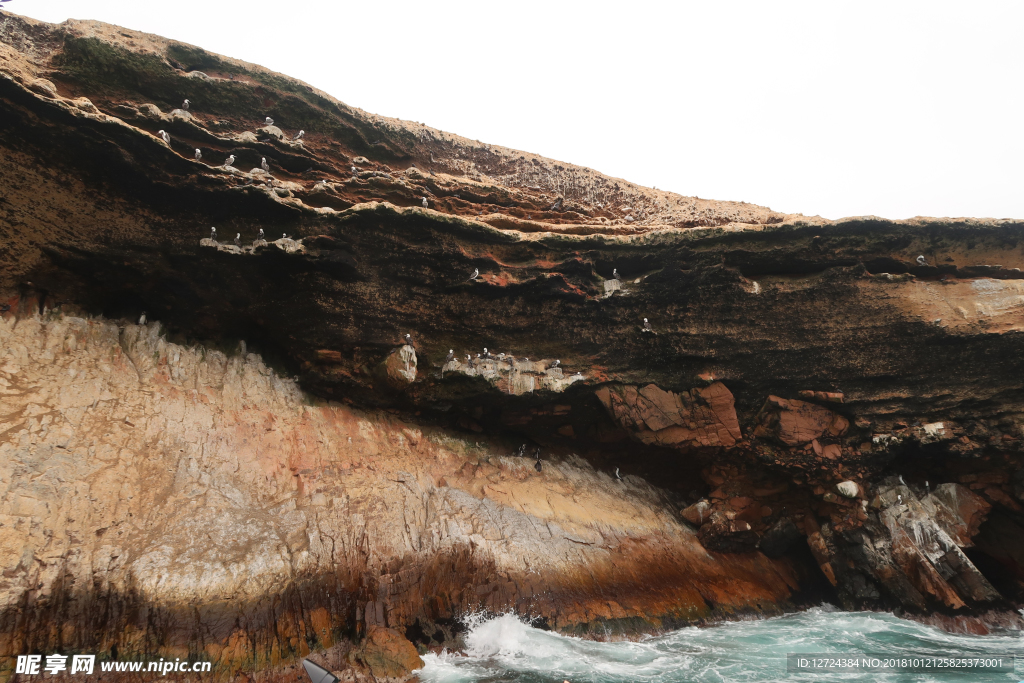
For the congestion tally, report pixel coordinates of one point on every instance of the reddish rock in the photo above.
(701, 417)
(795, 423)
(386, 653)
(958, 511)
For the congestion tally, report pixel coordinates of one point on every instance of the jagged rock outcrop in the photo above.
(814, 413)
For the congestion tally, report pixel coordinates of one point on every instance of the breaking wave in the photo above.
(507, 649)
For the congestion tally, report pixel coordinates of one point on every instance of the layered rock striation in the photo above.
(320, 432)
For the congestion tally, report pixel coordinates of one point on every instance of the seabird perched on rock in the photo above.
(647, 326)
(261, 233)
(615, 274)
(487, 354)
(284, 235)
(927, 489)
(142, 318)
(450, 357)
(617, 474)
(238, 239)
(270, 121)
(536, 454)
(299, 135)
(425, 205)
(184, 105)
(501, 356)
(199, 154)
(475, 275)
(230, 160)
(537, 466)
(556, 363)
(899, 499)
(408, 339)
(901, 480)
(165, 136)
(922, 261)
(264, 165)
(354, 170)
(469, 359)
(213, 233)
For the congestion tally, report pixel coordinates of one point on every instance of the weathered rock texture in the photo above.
(172, 499)
(813, 413)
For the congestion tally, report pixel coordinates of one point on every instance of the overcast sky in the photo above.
(833, 108)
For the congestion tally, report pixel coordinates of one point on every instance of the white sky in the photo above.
(895, 108)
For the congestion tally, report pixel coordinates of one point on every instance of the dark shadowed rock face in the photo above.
(812, 414)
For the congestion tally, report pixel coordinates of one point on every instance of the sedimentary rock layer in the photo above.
(296, 447)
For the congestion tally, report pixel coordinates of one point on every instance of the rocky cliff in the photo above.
(328, 424)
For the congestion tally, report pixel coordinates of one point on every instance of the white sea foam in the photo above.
(506, 648)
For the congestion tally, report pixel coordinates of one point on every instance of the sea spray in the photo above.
(505, 648)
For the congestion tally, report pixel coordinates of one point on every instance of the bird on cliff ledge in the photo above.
(617, 474)
(556, 363)
(142, 318)
(270, 121)
(213, 233)
(261, 233)
(425, 205)
(238, 239)
(184, 105)
(922, 261)
(199, 154)
(230, 160)
(475, 275)
(647, 326)
(487, 354)
(450, 357)
(615, 274)
(408, 339)
(165, 136)
(264, 165)
(299, 135)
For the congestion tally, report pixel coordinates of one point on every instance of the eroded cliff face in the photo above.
(817, 409)
(162, 498)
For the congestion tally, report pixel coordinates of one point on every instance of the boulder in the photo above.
(386, 653)
(724, 535)
(401, 366)
(698, 513)
(847, 489)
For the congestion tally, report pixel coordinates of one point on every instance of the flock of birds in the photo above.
(165, 136)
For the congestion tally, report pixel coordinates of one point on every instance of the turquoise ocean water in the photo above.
(506, 649)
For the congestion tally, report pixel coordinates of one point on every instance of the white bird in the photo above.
(615, 273)
(184, 105)
(238, 239)
(213, 233)
(230, 160)
(165, 136)
(450, 357)
(425, 205)
(899, 500)
(261, 233)
(475, 275)
(901, 480)
(270, 121)
(299, 135)
(922, 261)
(264, 165)
(199, 154)
(617, 474)
(408, 339)
(284, 235)
(556, 364)
(142, 318)
(647, 326)
(468, 358)
(354, 170)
